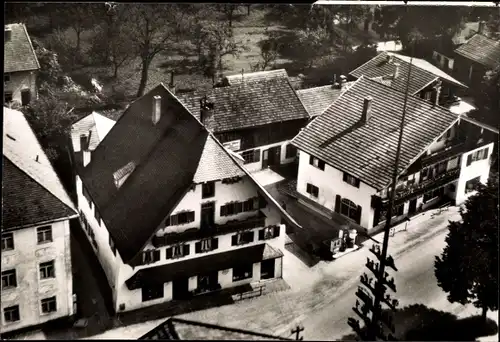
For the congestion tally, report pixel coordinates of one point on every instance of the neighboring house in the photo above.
(346, 167)
(426, 81)
(169, 211)
(37, 281)
(254, 115)
(316, 100)
(474, 58)
(20, 66)
(182, 329)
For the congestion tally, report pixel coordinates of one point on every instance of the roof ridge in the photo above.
(298, 97)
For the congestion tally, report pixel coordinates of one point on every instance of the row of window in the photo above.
(477, 155)
(88, 229)
(234, 208)
(12, 314)
(349, 179)
(46, 271)
(44, 235)
(8, 96)
(253, 156)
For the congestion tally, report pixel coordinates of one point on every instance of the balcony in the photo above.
(192, 234)
(411, 191)
(452, 149)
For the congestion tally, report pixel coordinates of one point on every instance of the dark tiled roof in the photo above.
(26, 202)
(317, 99)
(19, 54)
(169, 157)
(422, 72)
(256, 76)
(191, 267)
(253, 103)
(368, 151)
(482, 50)
(181, 329)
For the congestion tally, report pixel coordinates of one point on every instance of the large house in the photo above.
(474, 58)
(37, 281)
(169, 211)
(255, 115)
(426, 81)
(347, 154)
(20, 66)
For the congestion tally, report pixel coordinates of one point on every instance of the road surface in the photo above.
(321, 297)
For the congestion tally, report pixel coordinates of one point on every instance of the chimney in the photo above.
(206, 113)
(7, 34)
(172, 84)
(343, 81)
(437, 89)
(388, 58)
(481, 26)
(335, 84)
(396, 70)
(84, 147)
(367, 108)
(156, 109)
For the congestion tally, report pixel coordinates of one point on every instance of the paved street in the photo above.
(321, 297)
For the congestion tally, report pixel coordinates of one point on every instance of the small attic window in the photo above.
(121, 175)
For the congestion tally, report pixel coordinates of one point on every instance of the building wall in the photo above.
(20, 81)
(477, 168)
(30, 290)
(330, 183)
(253, 167)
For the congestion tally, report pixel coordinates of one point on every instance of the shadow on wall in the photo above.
(420, 323)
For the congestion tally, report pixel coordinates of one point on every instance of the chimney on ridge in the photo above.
(396, 70)
(335, 84)
(7, 34)
(156, 109)
(388, 58)
(367, 108)
(171, 85)
(207, 113)
(437, 90)
(480, 29)
(85, 147)
(343, 81)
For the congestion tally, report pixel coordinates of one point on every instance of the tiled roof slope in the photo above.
(22, 149)
(317, 99)
(96, 123)
(255, 76)
(19, 54)
(181, 329)
(482, 50)
(250, 104)
(169, 157)
(422, 72)
(368, 151)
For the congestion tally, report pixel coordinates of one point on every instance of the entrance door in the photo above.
(413, 206)
(25, 97)
(207, 215)
(208, 282)
(265, 159)
(274, 156)
(180, 288)
(267, 269)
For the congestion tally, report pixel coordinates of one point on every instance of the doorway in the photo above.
(207, 221)
(274, 156)
(267, 269)
(180, 288)
(208, 282)
(25, 97)
(413, 206)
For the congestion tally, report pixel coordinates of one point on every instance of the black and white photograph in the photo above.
(323, 171)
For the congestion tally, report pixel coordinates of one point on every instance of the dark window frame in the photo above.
(8, 241)
(242, 272)
(251, 156)
(47, 270)
(6, 78)
(7, 95)
(243, 238)
(44, 235)
(208, 190)
(317, 163)
(49, 305)
(474, 182)
(152, 292)
(9, 279)
(183, 217)
(13, 313)
(312, 190)
(150, 256)
(290, 151)
(351, 207)
(351, 180)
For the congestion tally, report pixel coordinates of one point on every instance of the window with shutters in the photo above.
(178, 251)
(349, 179)
(242, 238)
(151, 256)
(317, 163)
(234, 208)
(208, 190)
(180, 218)
(251, 156)
(477, 155)
(206, 245)
(242, 272)
(471, 185)
(7, 241)
(9, 279)
(269, 233)
(312, 190)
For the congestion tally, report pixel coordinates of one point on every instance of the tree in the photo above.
(468, 268)
(228, 11)
(153, 29)
(488, 98)
(79, 17)
(269, 52)
(311, 44)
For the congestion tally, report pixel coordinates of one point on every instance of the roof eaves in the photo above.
(31, 46)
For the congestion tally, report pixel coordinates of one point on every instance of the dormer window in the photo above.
(121, 175)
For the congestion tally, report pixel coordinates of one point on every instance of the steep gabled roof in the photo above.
(367, 151)
(33, 192)
(168, 158)
(250, 104)
(255, 76)
(482, 50)
(19, 54)
(317, 99)
(422, 74)
(96, 123)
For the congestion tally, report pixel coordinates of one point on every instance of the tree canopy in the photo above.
(468, 268)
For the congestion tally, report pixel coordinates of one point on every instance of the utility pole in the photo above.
(373, 330)
(298, 329)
